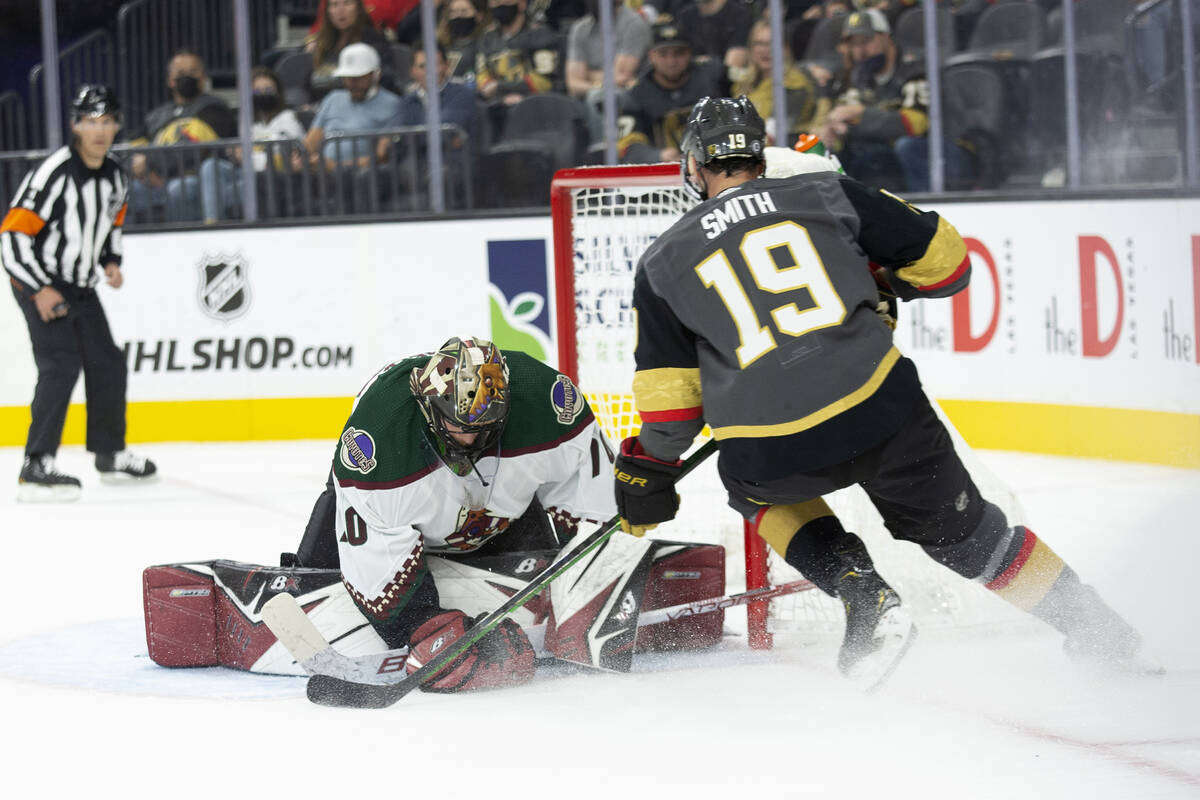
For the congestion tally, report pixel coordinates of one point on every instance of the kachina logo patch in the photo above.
(358, 450)
(518, 292)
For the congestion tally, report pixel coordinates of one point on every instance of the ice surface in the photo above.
(1001, 714)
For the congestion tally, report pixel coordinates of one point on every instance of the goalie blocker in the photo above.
(208, 613)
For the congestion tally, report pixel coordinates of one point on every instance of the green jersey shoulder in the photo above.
(385, 443)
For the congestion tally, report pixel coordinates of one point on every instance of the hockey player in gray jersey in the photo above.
(757, 314)
(453, 453)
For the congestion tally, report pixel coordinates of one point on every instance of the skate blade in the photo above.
(125, 479)
(896, 633)
(35, 493)
(1135, 666)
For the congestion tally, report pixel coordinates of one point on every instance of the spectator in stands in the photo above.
(191, 115)
(558, 14)
(460, 24)
(719, 29)
(585, 49)
(362, 105)
(885, 100)
(408, 29)
(801, 29)
(806, 105)
(344, 22)
(585, 57)
(883, 117)
(456, 101)
(516, 58)
(221, 179)
(386, 14)
(457, 107)
(656, 109)
(892, 9)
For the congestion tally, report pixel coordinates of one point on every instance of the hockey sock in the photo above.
(813, 542)
(1024, 571)
(1042, 584)
(1012, 562)
(1031, 574)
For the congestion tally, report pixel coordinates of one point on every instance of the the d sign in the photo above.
(1089, 248)
(964, 341)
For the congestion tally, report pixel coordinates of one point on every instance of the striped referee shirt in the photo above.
(65, 222)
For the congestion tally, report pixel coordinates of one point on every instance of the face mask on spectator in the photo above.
(187, 86)
(266, 102)
(505, 13)
(458, 27)
(873, 64)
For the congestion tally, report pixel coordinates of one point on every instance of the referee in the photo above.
(63, 228)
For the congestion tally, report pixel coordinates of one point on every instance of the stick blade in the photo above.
(326, 690)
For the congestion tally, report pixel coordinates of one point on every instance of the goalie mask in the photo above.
(463, 385)
(719, 128)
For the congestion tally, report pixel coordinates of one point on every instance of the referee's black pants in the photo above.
(61, 348)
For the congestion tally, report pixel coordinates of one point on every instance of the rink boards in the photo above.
(1078, 335)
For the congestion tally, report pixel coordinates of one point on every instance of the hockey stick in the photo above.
(292, 627)
(671, 613)
(329, 691)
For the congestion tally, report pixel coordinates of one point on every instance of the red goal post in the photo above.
(603, 219)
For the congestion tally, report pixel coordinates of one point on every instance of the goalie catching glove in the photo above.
(504, 657)
(645, 488)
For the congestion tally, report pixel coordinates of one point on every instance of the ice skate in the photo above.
(124, 467)
(1098, 637)
(41, 482)
(879, 630)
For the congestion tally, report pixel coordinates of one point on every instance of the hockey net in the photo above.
(604, 218)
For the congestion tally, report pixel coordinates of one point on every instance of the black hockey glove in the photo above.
(888, 307)
(645, 488)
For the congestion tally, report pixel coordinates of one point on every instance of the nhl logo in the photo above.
(224, 291)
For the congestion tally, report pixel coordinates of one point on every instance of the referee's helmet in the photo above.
(94, 100)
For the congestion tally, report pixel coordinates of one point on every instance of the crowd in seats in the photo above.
(523, 82)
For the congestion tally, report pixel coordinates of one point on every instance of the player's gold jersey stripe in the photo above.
(817, 417)
(942, 258)
(666, 389)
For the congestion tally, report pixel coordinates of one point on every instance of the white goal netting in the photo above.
(611, 220)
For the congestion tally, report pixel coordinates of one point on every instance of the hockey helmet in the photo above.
(464, 384)
(719, 128)
(94, 100)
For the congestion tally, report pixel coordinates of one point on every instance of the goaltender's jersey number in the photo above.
(781, 258)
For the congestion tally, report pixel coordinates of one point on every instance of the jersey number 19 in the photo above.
(763, 250)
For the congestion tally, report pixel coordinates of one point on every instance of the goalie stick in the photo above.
(292, 627)
(329, 691)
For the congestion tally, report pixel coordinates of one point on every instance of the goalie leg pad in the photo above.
(502, 658)
(181, 617)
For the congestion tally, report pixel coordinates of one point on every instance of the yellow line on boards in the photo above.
(1157, 437)
(1121, 434)
(204, 420)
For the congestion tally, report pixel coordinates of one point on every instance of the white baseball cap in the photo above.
(357, 60)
